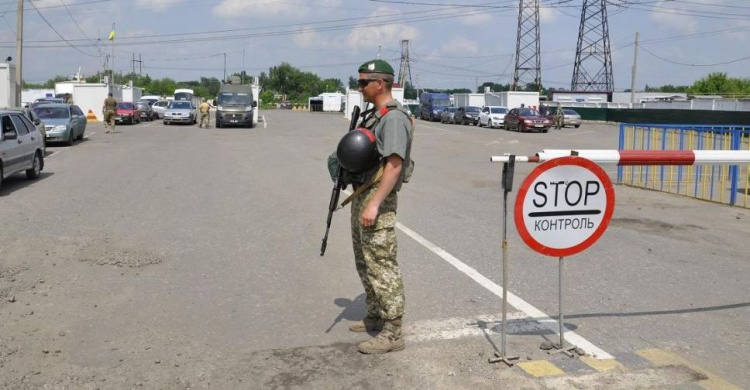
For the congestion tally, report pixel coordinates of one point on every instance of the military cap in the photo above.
(376, 66)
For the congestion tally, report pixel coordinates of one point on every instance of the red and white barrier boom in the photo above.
(638, 157)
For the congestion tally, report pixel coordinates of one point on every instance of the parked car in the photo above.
(62, 122)
(147, 113)
(448, 115)
(468, 115)
(34, 118)
(127, 112)
(21, 146)
(526, 119)
(46, 100)
(492, 116)
(180, 111)
(159, 108)
(570, 118)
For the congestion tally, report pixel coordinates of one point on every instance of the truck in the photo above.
(235, 105)
(431, 103)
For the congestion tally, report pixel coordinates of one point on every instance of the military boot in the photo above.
(388, 340)
(368, 324)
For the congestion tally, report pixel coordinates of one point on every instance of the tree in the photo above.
(718, 84)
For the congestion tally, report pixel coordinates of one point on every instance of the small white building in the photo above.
(29, 95)
(468, 99)
(8, 85)
(512, 99)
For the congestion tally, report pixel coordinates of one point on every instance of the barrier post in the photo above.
(507, 182)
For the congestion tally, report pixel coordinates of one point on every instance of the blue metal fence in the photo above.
(726, 183)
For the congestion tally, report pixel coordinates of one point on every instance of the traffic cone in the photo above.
(91, 118)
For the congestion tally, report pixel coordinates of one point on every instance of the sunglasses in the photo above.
(365, 82)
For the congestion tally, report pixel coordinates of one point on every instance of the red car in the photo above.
(526, 119)
(127, 113)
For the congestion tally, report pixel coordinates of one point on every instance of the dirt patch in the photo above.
(121, 257)
(651, 226)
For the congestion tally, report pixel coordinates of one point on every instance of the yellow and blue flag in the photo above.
(112, 35)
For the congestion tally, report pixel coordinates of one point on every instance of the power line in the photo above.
(58, 34)
(697, 65)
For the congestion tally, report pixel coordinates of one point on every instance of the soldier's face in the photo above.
(369, 86)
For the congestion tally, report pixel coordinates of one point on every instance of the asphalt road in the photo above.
(176, 257)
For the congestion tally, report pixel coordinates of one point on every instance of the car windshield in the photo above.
(451, 109)
(234, 98)
(472, 109)
(528, 112)
(180, 105)
(441, 102)
(142, 105)
(52, 112)
(570, 112)
(125, 106)
(498, 110)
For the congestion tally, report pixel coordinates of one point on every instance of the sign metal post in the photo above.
(507, 182)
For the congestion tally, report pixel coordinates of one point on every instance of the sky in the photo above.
(453, 43)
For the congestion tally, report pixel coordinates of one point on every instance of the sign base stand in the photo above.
(566, 350)
(505, 359)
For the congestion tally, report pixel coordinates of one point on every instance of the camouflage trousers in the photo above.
(205, 119)
(109, 120)
(375, 251)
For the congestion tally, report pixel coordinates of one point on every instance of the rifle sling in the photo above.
(374, 180)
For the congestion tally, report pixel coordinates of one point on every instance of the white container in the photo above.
(8, 85)
(512, 99)
(91, 97)
(468, 99)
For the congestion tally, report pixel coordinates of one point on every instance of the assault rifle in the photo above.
(338, 184)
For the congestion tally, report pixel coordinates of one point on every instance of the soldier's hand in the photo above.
(369, 215)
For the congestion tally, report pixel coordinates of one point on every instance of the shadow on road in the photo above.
(19, 181)
(352, 309)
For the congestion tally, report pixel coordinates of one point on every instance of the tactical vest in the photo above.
(371, 119)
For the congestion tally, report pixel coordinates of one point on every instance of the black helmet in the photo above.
(357, 150)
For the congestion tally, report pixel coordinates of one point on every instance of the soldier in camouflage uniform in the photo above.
(373, 218)
(559, 116)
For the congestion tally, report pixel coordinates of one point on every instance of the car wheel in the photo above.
(545, 130)
(1, 177)
(479, 123)
(577, 126)
(36, 168)
(489, 123)
(218, 125)
(71, 138)
(80, 137)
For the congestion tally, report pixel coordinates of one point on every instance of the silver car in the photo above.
(21, 146)
(159, 108)
(180, 111)
(571, 118)
(63, 122)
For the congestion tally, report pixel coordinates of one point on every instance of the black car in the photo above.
(468, 115)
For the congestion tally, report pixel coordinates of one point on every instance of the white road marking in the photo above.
(582, 132)
(514, 300)
(456, 328)
(500, 141)
(264, 121)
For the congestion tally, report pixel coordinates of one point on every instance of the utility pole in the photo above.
(133, 62)
(112, 41)
(635, 64)
(140, 65)
(225, 67)
(19, 53)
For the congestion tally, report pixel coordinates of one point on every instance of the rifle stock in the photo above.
(337, 186)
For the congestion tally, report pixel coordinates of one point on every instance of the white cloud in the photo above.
(232, 9)
(307, 38)
(477, 19)
(157, 5)
(669, 18)
(461, 45)
(372, 36)
(547, 15)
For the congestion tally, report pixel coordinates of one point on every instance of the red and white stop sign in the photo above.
(564, 206)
